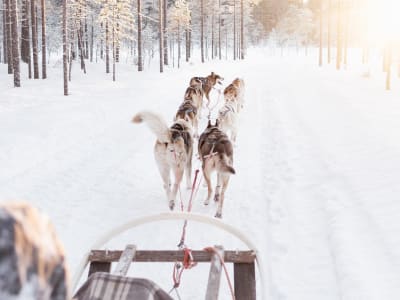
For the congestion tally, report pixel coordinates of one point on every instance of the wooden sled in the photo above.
(244, 262)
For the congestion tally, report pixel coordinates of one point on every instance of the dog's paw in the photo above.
(218, 215)
(207, 201)
(171, 204)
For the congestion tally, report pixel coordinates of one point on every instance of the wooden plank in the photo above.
(125, 260)
(245, 281)
(96, 266)
(214, 277)
(171, 256)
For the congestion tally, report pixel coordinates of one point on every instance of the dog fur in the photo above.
(240, 87)
(207, 83)
(228, 119)
(188, 112)
(173, 150)
(216, 153)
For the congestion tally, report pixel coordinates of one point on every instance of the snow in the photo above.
(317, 161)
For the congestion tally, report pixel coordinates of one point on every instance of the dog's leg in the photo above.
(218, 188)
(225, 181)
(178, 178)
(165, 171)
(207, 179)
(196, 127)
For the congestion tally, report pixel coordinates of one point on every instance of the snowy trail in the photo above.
(316, 184)
(328, 219)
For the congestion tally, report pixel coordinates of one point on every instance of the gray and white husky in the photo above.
(173, 150)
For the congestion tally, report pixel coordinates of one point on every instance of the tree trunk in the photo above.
(65, 50)
(161, 32)
(15, 46)
(4, 33)
(187, 44)
(234, 29)
(91, 40)
(139, 32)
(165, 24)
(25, 31)
(113, 43)
(8, 38)
(81, 50)
(44, 70)
(202, 30)
(34, 40)
(219, 29)
(101, 42)
(107, 51)
(241, 30)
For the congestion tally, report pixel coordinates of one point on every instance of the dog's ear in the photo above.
(216, 122)
(209, 124)
(212, 73)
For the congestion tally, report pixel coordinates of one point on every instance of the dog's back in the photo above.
(215, 145)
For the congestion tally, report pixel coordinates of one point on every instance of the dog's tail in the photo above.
(156, 124)
(223, 164)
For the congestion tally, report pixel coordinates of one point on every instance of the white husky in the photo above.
(228, 119)
(173, 150)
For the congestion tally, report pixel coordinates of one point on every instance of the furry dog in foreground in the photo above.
(173, 150)
(207, 83)
(216, 154)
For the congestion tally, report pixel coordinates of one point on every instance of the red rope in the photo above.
(187, 263)
(221, 259)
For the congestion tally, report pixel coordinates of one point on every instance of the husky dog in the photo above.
(231, 94)
(216, 154)
(188, 111)
(195, 95)
(239, 84)
(173, 150)
(228, 119)
(207, 83)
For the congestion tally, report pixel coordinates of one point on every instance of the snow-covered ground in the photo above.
(317, 162)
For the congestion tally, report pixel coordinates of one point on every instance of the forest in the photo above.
(170, 31)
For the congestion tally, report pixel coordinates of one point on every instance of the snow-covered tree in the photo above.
(119, 19)
(179, 17)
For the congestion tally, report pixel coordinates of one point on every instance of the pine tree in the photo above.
(65, 47)
(15, 46)
(139, 38)
(43, 13)
(34, 40)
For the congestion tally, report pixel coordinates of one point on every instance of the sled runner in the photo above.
(105, 285)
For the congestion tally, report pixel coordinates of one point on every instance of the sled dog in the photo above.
(188, 112)
(173, 150)
(207, 83)
(195, 95)
(231, 95)
(216, 154)
(239, 84)
(228, 119)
